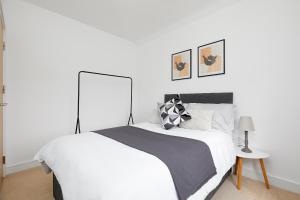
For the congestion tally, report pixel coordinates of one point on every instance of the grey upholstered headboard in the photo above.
(226, 97)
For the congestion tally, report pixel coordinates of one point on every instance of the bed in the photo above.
(134, 174)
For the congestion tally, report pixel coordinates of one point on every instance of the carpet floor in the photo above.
(34, 184)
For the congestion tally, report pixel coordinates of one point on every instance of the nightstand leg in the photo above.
(239, 173)
(236, 165)
(264, 173)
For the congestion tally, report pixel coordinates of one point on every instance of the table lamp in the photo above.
(246, 124)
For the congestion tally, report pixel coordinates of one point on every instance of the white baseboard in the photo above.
(274, 180)
(10, 169)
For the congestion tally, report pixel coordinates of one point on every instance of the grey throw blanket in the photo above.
(189, 161)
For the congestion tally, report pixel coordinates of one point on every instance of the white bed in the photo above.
(93, 167)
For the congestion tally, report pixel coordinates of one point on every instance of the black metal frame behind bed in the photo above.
(214, 98)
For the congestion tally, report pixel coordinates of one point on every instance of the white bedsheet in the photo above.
(93, 167)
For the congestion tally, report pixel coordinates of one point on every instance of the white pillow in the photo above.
(155, 117)
(223, 118)
(201, 119)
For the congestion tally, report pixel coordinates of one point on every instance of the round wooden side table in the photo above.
(257, 155)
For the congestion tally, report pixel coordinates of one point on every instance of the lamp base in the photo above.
(246, 150)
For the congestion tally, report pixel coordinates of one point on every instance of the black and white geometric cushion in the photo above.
(172, 113)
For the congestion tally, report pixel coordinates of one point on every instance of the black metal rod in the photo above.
(78, 130)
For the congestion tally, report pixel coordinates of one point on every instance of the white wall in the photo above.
(44, 52)
(262, 69)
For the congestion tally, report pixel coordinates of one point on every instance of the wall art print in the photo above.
(211, 59)
(182, 65)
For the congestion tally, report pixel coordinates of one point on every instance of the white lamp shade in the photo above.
(246, 124)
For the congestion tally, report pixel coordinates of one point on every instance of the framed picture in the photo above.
(182, 65)
(211, 59)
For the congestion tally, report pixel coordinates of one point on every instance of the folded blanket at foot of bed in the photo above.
(189, 161)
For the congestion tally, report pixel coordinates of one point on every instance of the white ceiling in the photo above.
(134, 20)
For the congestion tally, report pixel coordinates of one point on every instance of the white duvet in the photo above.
(89, 166)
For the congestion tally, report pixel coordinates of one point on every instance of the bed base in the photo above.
(57, 192)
